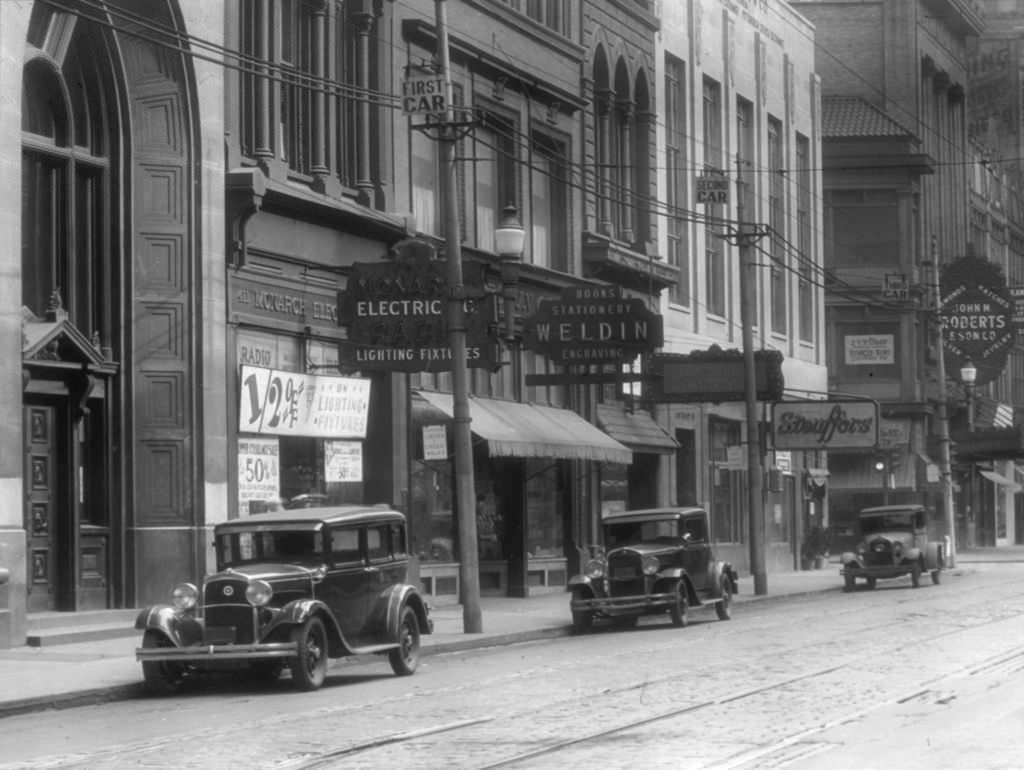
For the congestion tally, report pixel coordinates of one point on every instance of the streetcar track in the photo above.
(999, 663)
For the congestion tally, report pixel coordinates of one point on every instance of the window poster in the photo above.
(259, 474)
(343, 461)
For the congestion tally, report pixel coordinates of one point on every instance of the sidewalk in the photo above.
(39, 678)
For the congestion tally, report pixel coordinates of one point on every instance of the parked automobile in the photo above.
(893, 542)
(292, 589)
(657, 560)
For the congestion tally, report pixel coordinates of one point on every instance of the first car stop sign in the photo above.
(424, 95)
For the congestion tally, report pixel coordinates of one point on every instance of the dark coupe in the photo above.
(292, 588)
(657, 560)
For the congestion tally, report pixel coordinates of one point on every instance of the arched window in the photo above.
(67, 141)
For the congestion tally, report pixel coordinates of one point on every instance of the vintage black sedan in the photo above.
(292, 589)
(893, 542)
(657, 560)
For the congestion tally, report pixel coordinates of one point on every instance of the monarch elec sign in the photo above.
(824, 424)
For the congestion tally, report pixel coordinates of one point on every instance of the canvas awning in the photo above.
(637, 430)
(1000, 479)
(512, 429)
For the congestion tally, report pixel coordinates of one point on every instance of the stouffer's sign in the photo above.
(824, 424)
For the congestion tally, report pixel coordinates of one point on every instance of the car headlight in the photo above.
(184, 596)
(650, 565)
(258, 593)
(594, 568)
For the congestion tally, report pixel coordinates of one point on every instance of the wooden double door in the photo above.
(67, 529)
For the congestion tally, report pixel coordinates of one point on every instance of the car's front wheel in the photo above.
(872, 582)
(406, 656)
(849, 582)
(161, 677)
(309, 666)
(677, 610)
(915, 574)
(936, 576)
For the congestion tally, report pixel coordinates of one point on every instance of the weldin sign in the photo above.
(824, 424)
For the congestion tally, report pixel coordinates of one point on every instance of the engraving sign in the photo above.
(592, 325)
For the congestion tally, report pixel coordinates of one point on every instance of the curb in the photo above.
(100, 695)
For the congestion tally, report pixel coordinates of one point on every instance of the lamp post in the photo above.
(969, 376)
(509, 239)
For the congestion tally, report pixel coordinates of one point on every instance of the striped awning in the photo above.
(512, 429)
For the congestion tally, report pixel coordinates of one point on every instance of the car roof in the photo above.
(313, 518)
(648, 514)
(883, 509)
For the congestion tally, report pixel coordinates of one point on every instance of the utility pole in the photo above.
(945, 464)
(746, 239)
(465, 487)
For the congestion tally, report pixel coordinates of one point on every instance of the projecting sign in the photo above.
(424, 95)
(976, 316)
(395, 312)
(714, 375)
(824, 424)
(712, 189)
(592, 325)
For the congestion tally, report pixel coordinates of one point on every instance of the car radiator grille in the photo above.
(879, 553)
(625, 575)
(228, 616)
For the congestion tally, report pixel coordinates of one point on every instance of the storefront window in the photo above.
(431, 521)
(614, 488)
(490, 523)
(544, 507)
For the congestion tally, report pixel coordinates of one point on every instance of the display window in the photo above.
(294, 471)
(545, 501)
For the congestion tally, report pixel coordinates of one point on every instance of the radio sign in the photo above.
(592, 325)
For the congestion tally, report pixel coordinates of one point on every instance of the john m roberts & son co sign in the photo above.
(824, 424)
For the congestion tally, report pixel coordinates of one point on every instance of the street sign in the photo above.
(424, 95)
(712, 189)
(896, 286)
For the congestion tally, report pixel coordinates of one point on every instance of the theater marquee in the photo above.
(825, 424)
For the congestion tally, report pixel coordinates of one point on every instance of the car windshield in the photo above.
(625, 532)
(882, 522)
(300, 546)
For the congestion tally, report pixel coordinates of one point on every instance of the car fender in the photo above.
(912, 555)
(397, 599)
(181, 628)
(299, 611)
(580, 580)
(674, 574)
